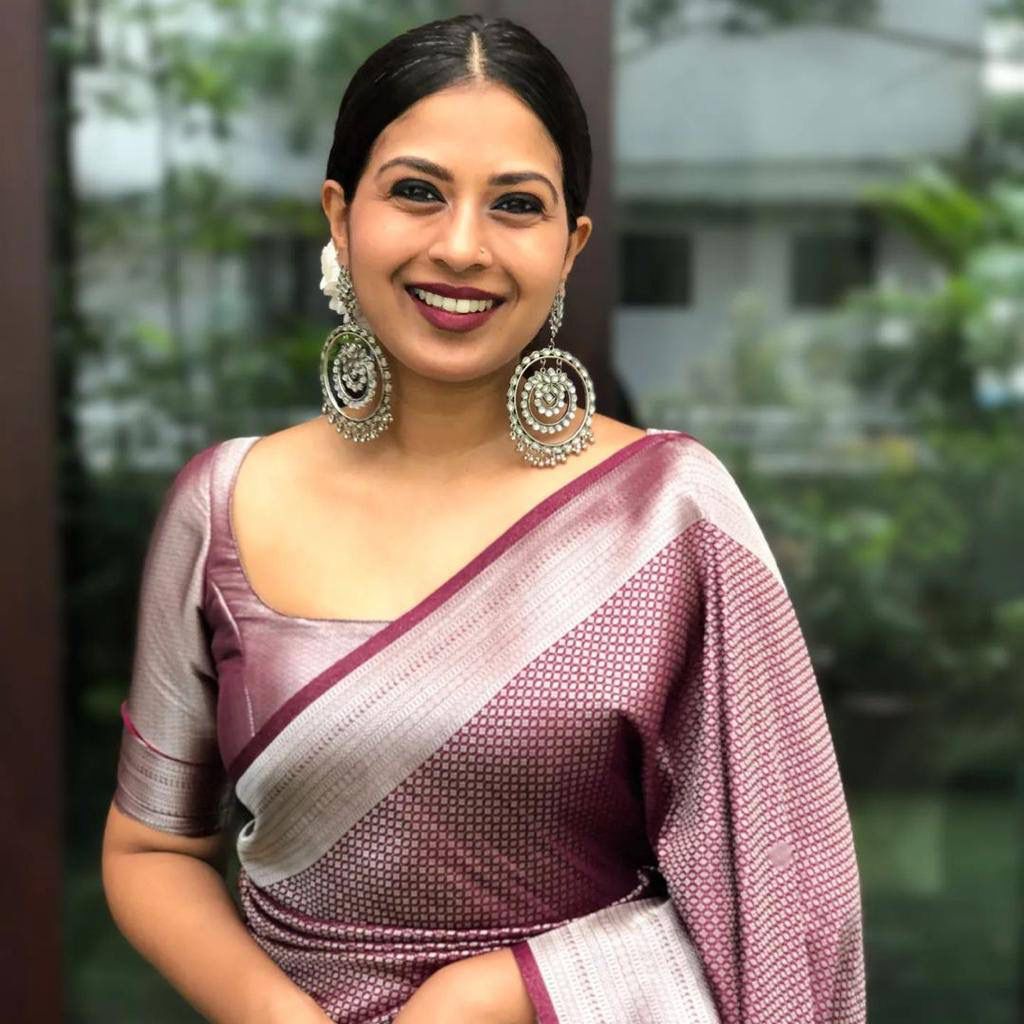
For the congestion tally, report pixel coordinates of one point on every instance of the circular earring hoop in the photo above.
(352, 365)
(547, 402)
(353, 368)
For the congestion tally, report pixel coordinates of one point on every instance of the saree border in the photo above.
(624, 962)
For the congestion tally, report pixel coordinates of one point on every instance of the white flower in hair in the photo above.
(331, 272)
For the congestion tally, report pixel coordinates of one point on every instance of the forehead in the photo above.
(474, 129)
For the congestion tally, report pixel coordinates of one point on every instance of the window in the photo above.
(656, 269)
(826, 265)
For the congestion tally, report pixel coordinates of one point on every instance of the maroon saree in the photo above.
(600, 743)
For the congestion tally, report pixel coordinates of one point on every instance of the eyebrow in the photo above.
(437, 171)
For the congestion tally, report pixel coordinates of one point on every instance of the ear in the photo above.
(577, 240)
(332, 198)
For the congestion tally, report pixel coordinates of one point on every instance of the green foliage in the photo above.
(905, 582)
(969, 325)
(945, 219)
(1009, 10)
(903, 553)
(909, 578)
(790, 12)
(653, 15)
(941, 929)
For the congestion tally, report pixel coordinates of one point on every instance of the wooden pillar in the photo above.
(30, 715)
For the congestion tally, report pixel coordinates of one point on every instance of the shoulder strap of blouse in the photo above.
(227, 461)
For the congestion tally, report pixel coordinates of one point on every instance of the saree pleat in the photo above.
(354, 971)
(600, 744)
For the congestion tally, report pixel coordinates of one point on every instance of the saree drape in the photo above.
(600, 743)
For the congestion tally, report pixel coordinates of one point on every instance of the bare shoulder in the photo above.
(610, 435)
(276, 471)
(283, 457)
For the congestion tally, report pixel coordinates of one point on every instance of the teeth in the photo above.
(453, 305)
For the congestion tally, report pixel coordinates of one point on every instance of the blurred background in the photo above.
(809, 254)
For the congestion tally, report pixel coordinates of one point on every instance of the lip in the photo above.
(450, 291)
(456, 322)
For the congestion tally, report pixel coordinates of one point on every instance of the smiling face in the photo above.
(463, 189)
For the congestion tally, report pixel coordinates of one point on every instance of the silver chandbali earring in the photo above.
(353, 368)
(547, 401)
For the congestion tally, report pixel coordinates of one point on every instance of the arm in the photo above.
(168, 897)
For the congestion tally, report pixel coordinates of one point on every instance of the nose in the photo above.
(461, 243)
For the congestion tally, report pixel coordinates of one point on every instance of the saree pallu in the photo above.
(600, 744)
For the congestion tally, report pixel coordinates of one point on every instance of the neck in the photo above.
(445, 430)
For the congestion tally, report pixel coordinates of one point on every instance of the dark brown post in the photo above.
(30, 718)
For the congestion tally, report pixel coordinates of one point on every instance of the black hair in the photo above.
(455, 51)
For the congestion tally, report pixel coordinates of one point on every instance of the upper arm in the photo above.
(124, 834)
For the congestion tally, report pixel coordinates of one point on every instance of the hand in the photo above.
(292, 1006)
(482, 989)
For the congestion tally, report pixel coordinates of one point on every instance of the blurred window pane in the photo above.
(826, 265)
(656, 269)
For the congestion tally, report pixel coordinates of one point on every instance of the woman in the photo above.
(517, 745)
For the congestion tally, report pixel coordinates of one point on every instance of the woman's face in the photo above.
(450, 224)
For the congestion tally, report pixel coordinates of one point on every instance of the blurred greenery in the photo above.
(914, 573)
(940, 933)
(903, 550)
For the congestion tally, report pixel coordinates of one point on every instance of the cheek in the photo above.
(533, 260)
(388, 240)
(383, 239)
(388, 247)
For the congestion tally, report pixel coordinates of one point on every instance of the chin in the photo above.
(460, 362)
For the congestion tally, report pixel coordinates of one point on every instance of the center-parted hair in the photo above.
(459, 51)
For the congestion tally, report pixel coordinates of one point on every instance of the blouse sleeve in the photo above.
(746, 814)
(169, 774)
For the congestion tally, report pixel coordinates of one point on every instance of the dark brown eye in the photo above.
(420, 192)
(405, 190)
(532, 203)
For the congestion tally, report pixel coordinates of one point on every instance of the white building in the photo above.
(741, 162)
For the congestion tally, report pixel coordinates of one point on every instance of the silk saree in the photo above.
(600, 743)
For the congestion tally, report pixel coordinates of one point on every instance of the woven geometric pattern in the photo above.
(531, 814)
(746, 808)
